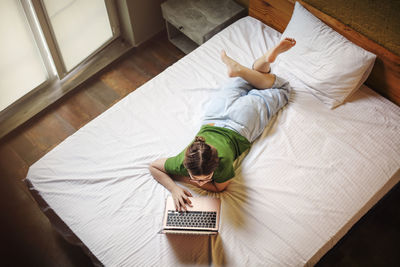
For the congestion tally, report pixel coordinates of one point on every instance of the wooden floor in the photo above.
(26, 236)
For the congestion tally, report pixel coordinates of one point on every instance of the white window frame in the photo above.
(50, 39)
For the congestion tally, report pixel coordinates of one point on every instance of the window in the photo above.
(79, 28)
(20, 56)
(44, 40)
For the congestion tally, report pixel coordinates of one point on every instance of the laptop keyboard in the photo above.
(192, 219)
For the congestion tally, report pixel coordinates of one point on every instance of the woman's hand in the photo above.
(181, 198)
(179, 195)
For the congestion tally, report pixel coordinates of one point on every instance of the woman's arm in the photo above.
(179, 194)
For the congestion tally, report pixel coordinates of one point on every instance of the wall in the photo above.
(379, 20)
(139, 20)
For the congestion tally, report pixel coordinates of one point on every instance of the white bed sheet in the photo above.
(305, 181)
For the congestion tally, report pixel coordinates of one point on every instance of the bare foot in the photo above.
(233, 67)
(283, 46)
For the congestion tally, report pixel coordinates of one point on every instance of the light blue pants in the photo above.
(240, 107)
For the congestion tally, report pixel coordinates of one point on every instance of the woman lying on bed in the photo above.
(232, 121)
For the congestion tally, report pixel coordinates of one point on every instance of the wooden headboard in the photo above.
(385, 76)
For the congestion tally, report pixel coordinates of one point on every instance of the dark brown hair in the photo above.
(200, 158)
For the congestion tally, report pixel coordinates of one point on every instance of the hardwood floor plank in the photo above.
(11, 164)
(79, 108)
(162, 53)
(48, 131)
(118, 82)
(143, 63)
(25, 149)
(152, 59)
(102, 93)
(73, 111)
(132, 74)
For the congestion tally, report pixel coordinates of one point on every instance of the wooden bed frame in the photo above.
(385, 76)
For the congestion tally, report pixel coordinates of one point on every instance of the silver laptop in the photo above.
(202, 218)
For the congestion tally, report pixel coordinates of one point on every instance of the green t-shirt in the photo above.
(229, 145)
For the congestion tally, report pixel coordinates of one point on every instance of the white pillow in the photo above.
(330, 65)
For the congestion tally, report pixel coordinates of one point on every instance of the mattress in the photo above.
(310, 176)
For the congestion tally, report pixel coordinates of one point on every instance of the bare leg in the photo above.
(259, 76)
(262, 63)
(258, 79)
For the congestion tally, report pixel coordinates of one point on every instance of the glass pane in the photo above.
(80, 27)
(21, 66)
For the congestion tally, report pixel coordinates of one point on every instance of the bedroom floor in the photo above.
(27, 238)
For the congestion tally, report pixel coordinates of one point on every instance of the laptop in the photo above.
(202, 218)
